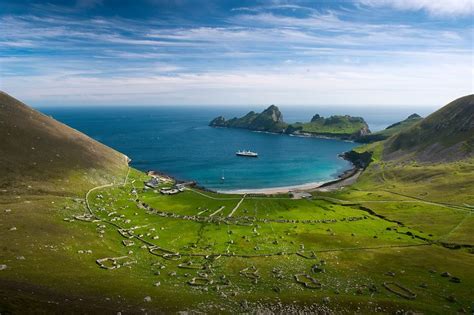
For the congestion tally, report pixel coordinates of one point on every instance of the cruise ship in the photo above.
(246, 153)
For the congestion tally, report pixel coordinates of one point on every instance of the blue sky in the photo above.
(172, 52)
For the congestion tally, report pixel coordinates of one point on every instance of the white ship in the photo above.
(246, 153)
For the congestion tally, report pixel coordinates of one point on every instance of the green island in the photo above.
(271, 120)
(390, 130)
(82, 232)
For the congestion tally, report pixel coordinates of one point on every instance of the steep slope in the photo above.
(431, 160)
(446, 135)
(270, 120)
(38, 152)
(390, 130)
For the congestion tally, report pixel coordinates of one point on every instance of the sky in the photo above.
(189, 52)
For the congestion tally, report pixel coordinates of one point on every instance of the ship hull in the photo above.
(247, 155)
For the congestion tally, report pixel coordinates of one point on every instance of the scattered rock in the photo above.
(317, 269)
(3, 267)
(455, 280)
(445, 274)
(451, 298)
(147, 299)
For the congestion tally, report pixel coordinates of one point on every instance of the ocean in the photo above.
(179, 142)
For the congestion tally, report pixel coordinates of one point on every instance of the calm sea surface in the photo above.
(177, 141)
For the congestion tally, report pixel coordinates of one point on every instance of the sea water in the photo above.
(179, 142)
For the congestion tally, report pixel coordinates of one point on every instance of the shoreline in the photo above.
(347, 177)
(273, 190)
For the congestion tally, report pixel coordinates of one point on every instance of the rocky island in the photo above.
(271, 120)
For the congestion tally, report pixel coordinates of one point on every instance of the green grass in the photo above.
(354, 259)
(338, 125)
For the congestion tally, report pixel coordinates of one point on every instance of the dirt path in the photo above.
(91, 190)
(217, 211)
(446, 236)
(236, 207)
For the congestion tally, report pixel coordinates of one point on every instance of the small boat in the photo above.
(246, 153)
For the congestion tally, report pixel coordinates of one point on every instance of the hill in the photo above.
(344, 127)
(433, 159)
(40, 153)
(446, 135)
(390, 130)
(271, 120)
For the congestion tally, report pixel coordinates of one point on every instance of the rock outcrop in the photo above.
(271, 120)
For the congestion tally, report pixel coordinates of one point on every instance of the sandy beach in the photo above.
(273, 190)
(345, 180)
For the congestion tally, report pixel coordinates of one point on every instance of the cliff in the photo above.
(271, 120)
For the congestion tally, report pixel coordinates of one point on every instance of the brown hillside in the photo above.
(35, 148)
(444, 136)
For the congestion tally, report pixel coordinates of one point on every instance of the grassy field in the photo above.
(198, 251)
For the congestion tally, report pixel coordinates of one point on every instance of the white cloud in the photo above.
(433, 7)
(262, 57)
(416, 83)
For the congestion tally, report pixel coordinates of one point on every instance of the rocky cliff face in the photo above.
(218, 122)
(270, 120)
(273, 113)
(364, 131)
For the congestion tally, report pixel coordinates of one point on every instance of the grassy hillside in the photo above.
(342, 126)
(428, 163)
(390, 130)
(39, 153)
(446, 135)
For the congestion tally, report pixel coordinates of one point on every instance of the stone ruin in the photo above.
(399, 290)
(111, 263)
(128, 243)
(307, 281)
(250, 273)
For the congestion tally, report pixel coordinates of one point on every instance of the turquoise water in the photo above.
(177, 141)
